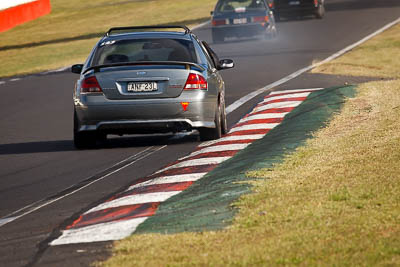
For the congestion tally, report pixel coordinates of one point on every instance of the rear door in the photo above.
(214, 79)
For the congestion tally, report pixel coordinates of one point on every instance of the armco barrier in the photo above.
(15, 12)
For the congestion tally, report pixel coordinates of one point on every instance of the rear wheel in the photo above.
(83, 140)
(224, 123)
(207, 134)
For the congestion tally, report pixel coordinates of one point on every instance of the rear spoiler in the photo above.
(146, 63)
(143, 28)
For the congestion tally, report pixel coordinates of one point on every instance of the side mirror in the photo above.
(77, 68)
(212, 13)
(226, 64)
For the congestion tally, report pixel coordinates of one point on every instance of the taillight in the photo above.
(90, 85)
(218, 22)
(271, 4)
(261, 19)
(195, 81)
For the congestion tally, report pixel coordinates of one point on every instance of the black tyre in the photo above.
(207, 134)
(217, 36)
(83, 140)
(224, 123)
(320, 12)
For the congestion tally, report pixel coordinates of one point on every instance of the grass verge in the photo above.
(69, 32)
(335, 201)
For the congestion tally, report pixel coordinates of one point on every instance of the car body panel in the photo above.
(170, 108)
(170, 82)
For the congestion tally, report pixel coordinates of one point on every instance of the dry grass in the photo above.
(67, 34)
(334, 202)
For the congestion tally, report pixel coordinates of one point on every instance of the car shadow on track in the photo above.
(111, 143)
(36, 147)
(146, 140)
(294, 18)
(239, 40)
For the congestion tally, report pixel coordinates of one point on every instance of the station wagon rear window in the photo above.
(239, 5)
(134, 50)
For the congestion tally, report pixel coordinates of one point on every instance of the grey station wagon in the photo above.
(152, 79)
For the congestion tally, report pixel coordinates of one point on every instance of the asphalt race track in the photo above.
(44, 181)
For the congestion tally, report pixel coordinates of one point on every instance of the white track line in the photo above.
(191, 177)
(263, 116)
(295, 74)
(43, 203)
(196, 162)
(267, 99)
(7, 220)
(99, 232)
(217, 148)
(134, 199)
(233, 138)
(258, 126)
(56, 71)
(286, 104)
(294, 91)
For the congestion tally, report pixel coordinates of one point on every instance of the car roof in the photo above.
(220, 2)
(154, 31)
(151, 34)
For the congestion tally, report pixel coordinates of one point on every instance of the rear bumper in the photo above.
(145, 116)
(296, 11)
(241, 29)
(146, 127)
(304, 9)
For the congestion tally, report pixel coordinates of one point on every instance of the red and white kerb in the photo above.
(119, 216)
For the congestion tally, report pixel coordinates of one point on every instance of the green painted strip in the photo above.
(206, 205)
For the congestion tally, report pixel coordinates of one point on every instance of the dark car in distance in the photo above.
(242, 18)
(291, 8)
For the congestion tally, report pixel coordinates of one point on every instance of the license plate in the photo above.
(142, 86)
(294, 3)
(240, 21)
